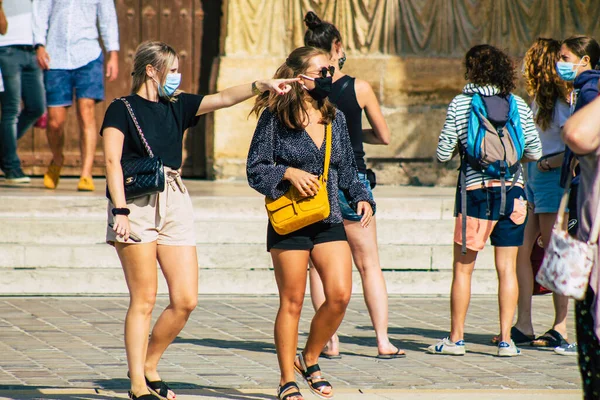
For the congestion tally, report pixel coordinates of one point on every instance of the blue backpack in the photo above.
(495, 146)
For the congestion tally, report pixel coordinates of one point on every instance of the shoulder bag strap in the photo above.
(565, 197)
(137, 126)
(327, 152)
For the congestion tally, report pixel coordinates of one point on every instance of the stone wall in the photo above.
(410, 51)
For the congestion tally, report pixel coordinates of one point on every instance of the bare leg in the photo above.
(57, 116)
(561, 303)
(460, 294)
(86, 114)
(139, 265)
(508, 288)
(363, 243)
(317, 297)
(290, 274)
(525, 274)
(334, 262)
(180, 268)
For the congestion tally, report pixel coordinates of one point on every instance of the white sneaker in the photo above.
(448, 347)
(567, 349)
(506, 349)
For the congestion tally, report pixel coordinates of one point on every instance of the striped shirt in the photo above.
(457, 124)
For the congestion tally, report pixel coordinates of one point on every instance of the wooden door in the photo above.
(192, 27)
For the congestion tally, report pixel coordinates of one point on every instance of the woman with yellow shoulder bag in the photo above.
(299, 156)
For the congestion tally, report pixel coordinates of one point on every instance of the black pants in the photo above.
(588, 347)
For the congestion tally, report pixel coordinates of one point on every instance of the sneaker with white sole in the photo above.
(506, 349)
(567, 349)
(16, 177)
(448, 347)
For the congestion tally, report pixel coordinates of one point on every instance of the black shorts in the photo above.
(307, 237)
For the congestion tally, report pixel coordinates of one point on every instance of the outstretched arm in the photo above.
(236, 94)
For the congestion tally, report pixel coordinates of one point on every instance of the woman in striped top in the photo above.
(491, 74)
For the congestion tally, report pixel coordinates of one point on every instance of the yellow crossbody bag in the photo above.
(292, 211)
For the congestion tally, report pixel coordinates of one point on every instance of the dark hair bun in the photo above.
(312, 21)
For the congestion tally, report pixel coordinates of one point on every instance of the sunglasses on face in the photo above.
(325, 70)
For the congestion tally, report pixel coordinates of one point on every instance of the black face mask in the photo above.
(322, 88)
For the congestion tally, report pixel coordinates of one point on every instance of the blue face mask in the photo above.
(567, 70)
(171, 84)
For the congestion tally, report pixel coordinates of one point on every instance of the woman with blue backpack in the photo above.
(493, 131)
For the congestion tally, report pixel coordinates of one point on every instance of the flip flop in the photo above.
(551, 339)
(517, 336)
(330, 356)
(397, 354)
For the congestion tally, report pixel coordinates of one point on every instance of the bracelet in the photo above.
(255, 89)
(120, 211)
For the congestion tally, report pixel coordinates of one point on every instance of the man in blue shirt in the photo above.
(22, 81)
(67, 46)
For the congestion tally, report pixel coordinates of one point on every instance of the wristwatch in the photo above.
(37, 46)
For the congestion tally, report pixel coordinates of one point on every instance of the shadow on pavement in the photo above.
(261, 347)
(107, 390)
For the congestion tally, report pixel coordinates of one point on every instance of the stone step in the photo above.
(70, 230)
(219, 256)
(239, 204)
(74, 281)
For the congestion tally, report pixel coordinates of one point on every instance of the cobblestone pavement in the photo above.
(227, 351)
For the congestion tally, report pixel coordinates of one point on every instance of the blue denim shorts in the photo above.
(348, 212)
(87, 81)
(543, 189)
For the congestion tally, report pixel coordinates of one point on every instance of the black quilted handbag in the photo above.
(142, 176)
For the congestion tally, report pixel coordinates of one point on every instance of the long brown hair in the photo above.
(542, 80)
(291, 107)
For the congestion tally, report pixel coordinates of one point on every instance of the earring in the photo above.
(342, 60)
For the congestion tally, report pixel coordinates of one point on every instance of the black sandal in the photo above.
(142, 397)
(551, 339)
(285, 388)
(159, 388)
(317, 383)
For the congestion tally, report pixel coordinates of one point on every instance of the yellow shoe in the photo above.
(86, 184)
(52, 176)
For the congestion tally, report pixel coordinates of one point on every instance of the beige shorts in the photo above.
(166, 218)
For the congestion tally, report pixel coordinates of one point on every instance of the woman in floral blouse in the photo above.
(288, 148)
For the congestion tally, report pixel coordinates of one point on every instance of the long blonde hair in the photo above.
(291, 108)
(158, 54)
(542, 81)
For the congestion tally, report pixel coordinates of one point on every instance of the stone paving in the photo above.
(227, 347)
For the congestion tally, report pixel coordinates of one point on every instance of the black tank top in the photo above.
(347, 103)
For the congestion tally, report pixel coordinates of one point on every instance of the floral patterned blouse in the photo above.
(276, 147)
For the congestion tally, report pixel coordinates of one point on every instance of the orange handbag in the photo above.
(292, 211)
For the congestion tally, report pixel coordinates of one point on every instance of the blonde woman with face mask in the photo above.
(160, 223)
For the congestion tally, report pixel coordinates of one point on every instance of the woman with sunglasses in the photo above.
(352, 96)
(288, 149)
